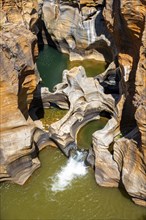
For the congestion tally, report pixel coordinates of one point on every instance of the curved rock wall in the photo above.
(77, 29)
(19, 79)
(126, 22)
(86, 104)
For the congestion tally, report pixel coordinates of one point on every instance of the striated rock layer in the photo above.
(125, 21)
(77, 29)
(86, 104)
(18, 133)
(104, 30)
(119, 27)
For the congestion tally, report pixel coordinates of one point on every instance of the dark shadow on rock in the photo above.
(101, 30)
(43, 36)
(110, 83)
(124, 39)
(39, 35)
(101, 47)
(105, 114)
(100, 26)
(22, 93)
(123, 191)
(40, 139)
(90, 159)
(36, 109)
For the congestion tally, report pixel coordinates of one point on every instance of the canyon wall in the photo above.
(88, 29)
(19, 80)
(105, 30)
(126, 21)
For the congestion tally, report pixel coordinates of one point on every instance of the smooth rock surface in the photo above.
(125, 21)
(21, 137)
(77, 29)
(86, 100)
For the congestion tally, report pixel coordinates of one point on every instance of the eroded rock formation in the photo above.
(77, 29)
(124, 32)
(19, 79)
(86, 103)
(20, 12)
(111, 30)
(126, 22)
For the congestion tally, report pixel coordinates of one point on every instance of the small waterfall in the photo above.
(74, 168)
(91, 32)
(90, 28)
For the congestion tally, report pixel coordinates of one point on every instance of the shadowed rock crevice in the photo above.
(36, 107)
(43, 36)
(128, 35)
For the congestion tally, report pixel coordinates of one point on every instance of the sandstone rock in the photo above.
(124, 35)
(21, 12)
(89, 2)
(140, 116)
(106, 169)
(78, 31)
(132, 167)
(58, 98)
(20, 136)
(126, 22)
(86, 103)
(110, 30)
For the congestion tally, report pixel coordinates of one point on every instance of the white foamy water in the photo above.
(74, 168)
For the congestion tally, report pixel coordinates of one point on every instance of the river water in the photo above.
(65, 189)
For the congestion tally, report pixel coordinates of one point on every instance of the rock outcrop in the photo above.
(19, 79)
(77, 29)
(86, 104)
(20, 12)
(126, 22)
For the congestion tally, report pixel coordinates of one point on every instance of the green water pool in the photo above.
(51, 64)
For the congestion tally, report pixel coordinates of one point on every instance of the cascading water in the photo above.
(74, 168)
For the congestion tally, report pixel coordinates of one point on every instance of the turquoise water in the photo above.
(51, 64)
(83, 199)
